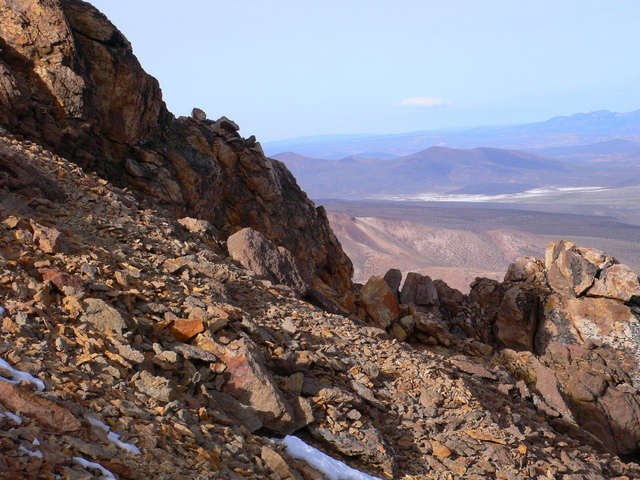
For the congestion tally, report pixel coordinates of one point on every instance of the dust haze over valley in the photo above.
(466, 203)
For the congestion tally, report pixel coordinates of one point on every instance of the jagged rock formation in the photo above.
(579, 313)
(70, 82)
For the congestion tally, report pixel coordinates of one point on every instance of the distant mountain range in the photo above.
(616, 150)
(575, 130)
(484, 170)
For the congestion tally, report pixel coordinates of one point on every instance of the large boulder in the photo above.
(419, 290)
(256, 252)
(617, 282)
(568, 272)
(517, 319)
(597, 389)
(249, 382)
(380, 302)
(69, 81)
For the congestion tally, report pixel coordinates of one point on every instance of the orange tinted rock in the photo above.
(618, 282)
(380, 302)
(47, 414)
(569, 273)
(439, 450)
(184, 329)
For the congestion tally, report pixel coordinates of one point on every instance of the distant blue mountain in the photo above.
(579, 129)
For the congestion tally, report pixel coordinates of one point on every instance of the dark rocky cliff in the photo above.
(70, 82)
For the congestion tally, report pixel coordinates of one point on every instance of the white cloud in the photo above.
(426, 102)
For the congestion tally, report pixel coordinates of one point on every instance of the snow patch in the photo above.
(37, 453)
(114, 437)
(106, 474)
(17, 376)
(12, 416)
(330, 467)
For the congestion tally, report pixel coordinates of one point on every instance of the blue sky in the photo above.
(290, 68)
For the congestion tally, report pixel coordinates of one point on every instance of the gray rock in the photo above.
(198, 114)
(103, 316)
(159, 388)
(256, 252)
(393, 277)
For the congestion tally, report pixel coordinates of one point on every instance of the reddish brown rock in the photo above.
(70, 82)
(185, 329)
(49, 416)
(517, 319)
(523, 269)
(49, 240)
(569, 273)
(249, 382)
(541, 379)
(599, 394)
(419, 290)
(380, 302)
(431, 324)
(61, 279)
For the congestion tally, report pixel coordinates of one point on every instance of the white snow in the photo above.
(114, 437)
(12, 416)
(2, 310)
(37, 453)
(332, 468)
(106, 474)
(17, 376)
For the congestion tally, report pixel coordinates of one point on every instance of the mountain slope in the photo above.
(72, 84)
(377, 244)
(132, 346)
(440, 169)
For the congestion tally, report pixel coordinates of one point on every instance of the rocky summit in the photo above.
(173, 305)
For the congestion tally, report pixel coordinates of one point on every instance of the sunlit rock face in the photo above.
(580, 314)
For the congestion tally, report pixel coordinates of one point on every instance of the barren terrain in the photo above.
(458, 244)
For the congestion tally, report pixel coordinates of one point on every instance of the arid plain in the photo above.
(459, 242)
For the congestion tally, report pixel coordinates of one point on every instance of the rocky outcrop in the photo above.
(579, 313)
(133, 347)
(380, 302)
(70, 82)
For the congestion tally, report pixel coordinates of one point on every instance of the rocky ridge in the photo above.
(162, 356)
(69, 81)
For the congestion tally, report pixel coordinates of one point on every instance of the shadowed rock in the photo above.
(255, 252)
(419, 290)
